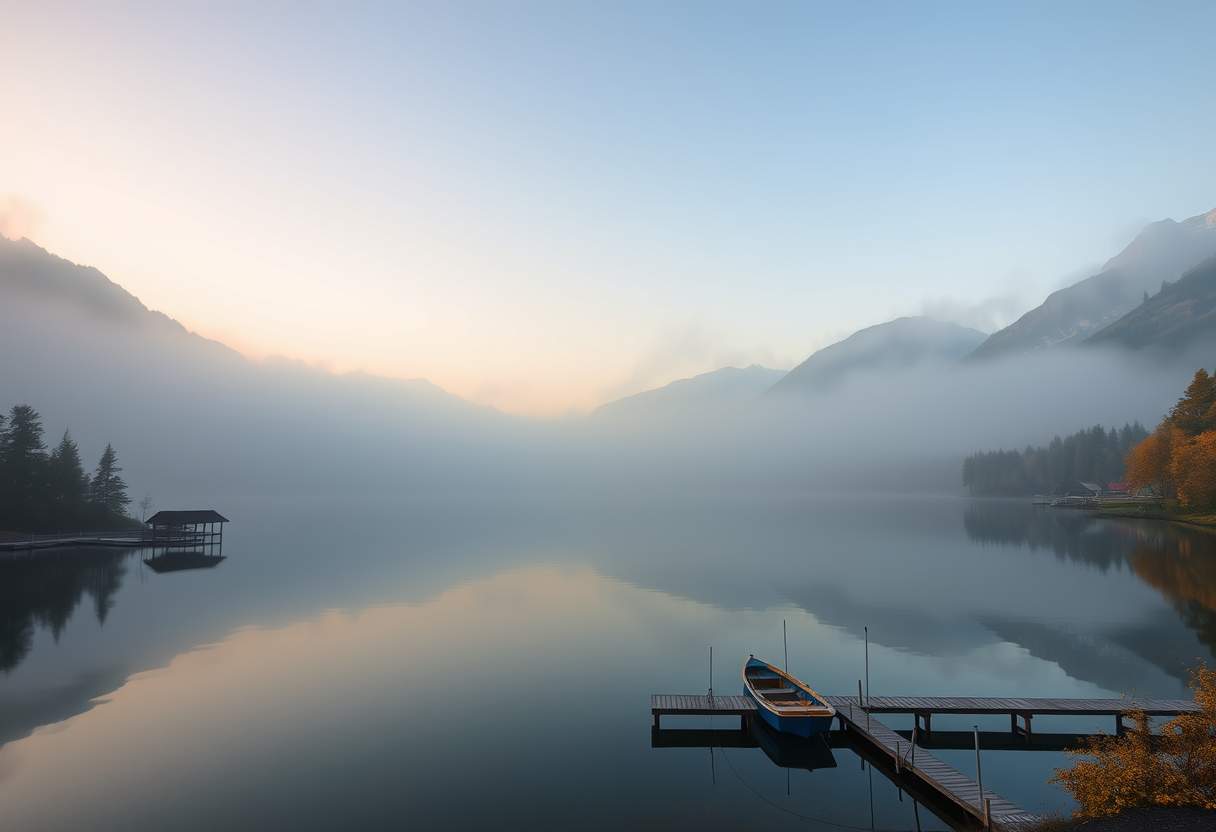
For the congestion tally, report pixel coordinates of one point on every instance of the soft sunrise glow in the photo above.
(543, 214)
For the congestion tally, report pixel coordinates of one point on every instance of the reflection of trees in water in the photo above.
(1177, 561)
(45, 590)
(1069, 533)
(1180, 563)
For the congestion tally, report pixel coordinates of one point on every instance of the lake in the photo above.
(373, 664)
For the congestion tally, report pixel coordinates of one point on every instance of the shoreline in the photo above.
(1197, 520)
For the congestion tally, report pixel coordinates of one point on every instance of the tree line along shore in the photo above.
(45, 490)
(1175, 464)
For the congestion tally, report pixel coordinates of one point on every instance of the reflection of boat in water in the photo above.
(784, 702)
(791, 752)
(179, 561)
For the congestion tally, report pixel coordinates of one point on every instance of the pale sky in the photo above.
(541, 206)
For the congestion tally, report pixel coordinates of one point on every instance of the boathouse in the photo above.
(188, 529)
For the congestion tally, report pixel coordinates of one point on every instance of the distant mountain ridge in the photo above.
(894, 345)
(727, 387)
(33, 275)
(29, 272)
(1162, 251)
(195, 416)
(1182, 313)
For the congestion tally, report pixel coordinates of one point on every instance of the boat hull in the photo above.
(799, 726)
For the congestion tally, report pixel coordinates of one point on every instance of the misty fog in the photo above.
(191, 417)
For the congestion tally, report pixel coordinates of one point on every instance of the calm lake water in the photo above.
(375, 665)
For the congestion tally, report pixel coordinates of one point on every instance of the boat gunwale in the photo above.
(825, 709)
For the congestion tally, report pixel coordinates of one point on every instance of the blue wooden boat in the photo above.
(787, 704)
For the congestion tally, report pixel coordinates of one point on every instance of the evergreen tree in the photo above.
(108, 492)
(68, 483)
(1091, 455)
(23, 471)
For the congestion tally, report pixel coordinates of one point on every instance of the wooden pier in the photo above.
(201, 531)
(910, 760)
(923, 708)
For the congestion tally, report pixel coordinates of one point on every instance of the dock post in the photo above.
(1118, 725)
(987, 812)
(897, 756)
(979, 777)
(867, 631)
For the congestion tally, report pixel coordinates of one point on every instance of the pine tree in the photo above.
(108, 492)
(68, 483)
(23, 469)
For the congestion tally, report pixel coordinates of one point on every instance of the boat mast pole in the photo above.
(786, 644)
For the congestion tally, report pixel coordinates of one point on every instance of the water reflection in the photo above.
(1177, 561)
(44, 591)
(1073, 534)
(514, 646)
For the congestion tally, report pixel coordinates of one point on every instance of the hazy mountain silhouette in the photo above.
(1181, 314)
(1161, 252)
(895, 345)
(190, 413)
(728, 387)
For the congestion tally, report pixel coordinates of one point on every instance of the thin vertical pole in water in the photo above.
(711, 671)
(867, 631)
(786, 644)
(870, 774)
(979, 777)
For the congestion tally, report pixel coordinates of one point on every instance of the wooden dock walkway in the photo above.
(678, 704)
(113, 538)
(924, 707)
(950, 785)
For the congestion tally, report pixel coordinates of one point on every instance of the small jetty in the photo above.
(199, 531)
(907, 760)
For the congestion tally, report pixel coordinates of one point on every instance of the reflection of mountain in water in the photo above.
(45, 591)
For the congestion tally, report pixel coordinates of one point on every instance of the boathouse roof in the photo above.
(177, 518)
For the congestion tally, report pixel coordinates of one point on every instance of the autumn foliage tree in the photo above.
(1179, 457)
(1177, 768)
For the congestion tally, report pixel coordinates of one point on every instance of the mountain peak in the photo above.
(891, 346)
(1162, 251)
